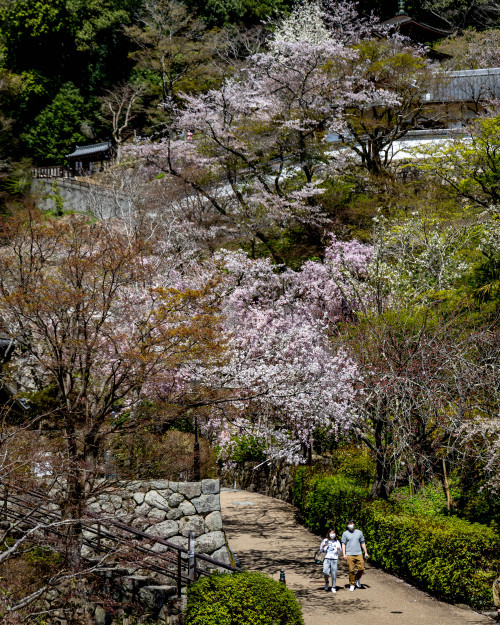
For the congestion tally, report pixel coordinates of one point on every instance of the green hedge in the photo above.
(246, 598)
(452, 558)
(328, 500)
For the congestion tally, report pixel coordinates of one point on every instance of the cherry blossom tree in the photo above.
(255, 151)
(287, 376)
(99, 318)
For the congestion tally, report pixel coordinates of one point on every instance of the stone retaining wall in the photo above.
(169, 510)
(271, 479)
(126, 594)
(79, 196)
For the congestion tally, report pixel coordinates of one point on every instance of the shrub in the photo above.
(329, 501)
(247, 598)
(247, 448)
(452, 558)
(429, 500)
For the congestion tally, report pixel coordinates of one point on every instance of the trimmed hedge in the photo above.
(328, 500)
(246, 598)
(452, 558)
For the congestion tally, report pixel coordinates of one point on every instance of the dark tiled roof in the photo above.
(88, 150)
(467, 86)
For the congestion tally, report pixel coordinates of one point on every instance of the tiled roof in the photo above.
(87, 150)
(467, 86)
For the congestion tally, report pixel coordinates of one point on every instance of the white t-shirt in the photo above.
(332, 548)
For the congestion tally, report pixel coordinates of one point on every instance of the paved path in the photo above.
(264, 535)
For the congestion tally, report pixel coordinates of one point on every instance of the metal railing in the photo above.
(107, 537)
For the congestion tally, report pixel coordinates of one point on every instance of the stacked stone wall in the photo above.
(273, 479)
(131, 595)
(170, 510)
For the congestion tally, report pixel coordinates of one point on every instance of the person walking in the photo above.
(496, 595)
(331, 546)
(353, 544)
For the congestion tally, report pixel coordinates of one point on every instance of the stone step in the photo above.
(155, 597)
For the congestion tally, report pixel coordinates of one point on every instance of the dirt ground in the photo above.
(264, 536)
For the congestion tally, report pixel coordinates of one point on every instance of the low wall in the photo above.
(271, 479)
(79, 196)
(129, 593)
(169, 510)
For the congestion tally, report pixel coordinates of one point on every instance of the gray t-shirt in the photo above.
(353, 541)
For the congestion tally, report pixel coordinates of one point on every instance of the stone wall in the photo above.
(169, 510)
(273, 479)
(80, 196)
(131, 594)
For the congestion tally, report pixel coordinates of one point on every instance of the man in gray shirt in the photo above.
(353, 544)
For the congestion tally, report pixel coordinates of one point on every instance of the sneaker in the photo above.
(358, 584)
(334, 589)
(351, 587)
(326, 587)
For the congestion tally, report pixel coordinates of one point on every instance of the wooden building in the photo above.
(86, 160)
(415, 30)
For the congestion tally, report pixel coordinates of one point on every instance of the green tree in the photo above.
(218, 12)
(57, 129)
(172, 45)
(405, 74)
(470, 165)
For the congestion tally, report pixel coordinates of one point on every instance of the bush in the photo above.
(328, 501)
(247, 448)
(429, 500)
(246, 598)
(454, 559)
(450, 557)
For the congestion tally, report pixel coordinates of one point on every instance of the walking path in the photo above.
(264, 535)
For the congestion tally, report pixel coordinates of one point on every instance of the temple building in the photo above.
(90, 159)
(415, 30)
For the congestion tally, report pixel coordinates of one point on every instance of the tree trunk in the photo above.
(379, 490)
(73, 500)
(446, 487)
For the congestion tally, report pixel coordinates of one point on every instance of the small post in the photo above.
(179, 573)
(191, 558)
(196, 455)
(282, 577)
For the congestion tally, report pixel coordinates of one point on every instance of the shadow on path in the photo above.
(264, 534)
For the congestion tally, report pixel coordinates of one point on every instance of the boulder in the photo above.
(155, 500)
(213, 522)
(175, 514)
(210, 542)
(193, 524)
(160, 484)
(189, 489)
(187, 508)
(117, 501)
(154, 597)
(175, 499)
(157, 515)
(206, 503)
(180, 541)
(138, 498)
(165, 529)
(142, 510)
(210, 487)
(222, 555)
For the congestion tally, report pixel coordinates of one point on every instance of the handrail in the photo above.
(41, 515)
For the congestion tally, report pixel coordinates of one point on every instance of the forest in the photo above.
(299, 264)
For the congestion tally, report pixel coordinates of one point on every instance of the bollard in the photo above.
(282, 576)
(191, 559)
